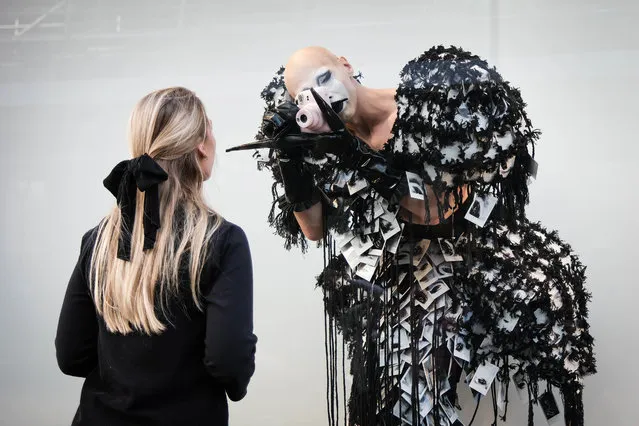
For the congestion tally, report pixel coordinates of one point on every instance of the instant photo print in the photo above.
(549, 406)
(480, 209)
(419, 251)
(393, 242)
(448, 250)
(357, 186)
(415, 186)
(483, 378)
(462, 349)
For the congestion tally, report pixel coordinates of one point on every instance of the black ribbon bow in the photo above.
(125, 179)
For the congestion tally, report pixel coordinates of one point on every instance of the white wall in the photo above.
(577, 64)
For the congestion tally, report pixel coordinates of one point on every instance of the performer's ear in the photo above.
(344, 62)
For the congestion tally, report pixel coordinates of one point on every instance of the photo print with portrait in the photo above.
(393, 242)
(342, 179)
(422, 269)
(441, 303)
(421, 299)
(447, 407)
(426, 403)
(405, 300)
(365, 271)
(384, 225)
(484, 377)
(400, 339)
(549, 406)
(419, 251)
(444, 270)
(369, 259)
(361, 245)
(435, 255)
(406, 383)
(389, 226)
(434, 293)
(415, 186)
(358, 185)
(462, 349)
(533, 167)
(377, 211)
(350, 255)
(403, 411)
(441, 271)
(448, 250)
(378, 241)
(480, 209)
(427, 333)
(462, 240)
(342, 239)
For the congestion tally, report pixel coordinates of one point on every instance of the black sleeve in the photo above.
(229, 354)
(77, 335)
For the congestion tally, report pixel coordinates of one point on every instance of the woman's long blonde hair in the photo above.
(168, 125)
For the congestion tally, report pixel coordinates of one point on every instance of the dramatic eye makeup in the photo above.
(323, 77)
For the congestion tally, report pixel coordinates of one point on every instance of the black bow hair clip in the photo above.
(279, 142)
(125, 179)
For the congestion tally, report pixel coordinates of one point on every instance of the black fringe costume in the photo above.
(505, 303)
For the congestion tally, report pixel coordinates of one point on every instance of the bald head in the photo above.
(313, 56)
(319, 68)
(304, 62)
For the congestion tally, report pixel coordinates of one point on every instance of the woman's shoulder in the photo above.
(226, 233)
(89, 238)
(228, 243)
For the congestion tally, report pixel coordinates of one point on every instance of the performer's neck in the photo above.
(375, 108)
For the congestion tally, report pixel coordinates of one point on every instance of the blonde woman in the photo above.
(158, 313)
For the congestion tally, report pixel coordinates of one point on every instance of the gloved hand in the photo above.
(279, 125)
(298, 183)
(290, 145)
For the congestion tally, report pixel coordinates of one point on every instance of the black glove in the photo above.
(279, 125)
(298, 183)
(291, 145)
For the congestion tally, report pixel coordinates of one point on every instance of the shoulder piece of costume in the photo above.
(525, 308)
(459, 122)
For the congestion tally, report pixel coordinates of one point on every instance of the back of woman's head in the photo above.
(171, 127)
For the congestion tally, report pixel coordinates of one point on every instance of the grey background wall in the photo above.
(68, 83)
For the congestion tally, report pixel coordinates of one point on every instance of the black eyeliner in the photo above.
(324, 77)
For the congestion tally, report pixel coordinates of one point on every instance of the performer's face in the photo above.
(331, 77)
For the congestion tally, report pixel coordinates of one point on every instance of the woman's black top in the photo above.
(179, 377)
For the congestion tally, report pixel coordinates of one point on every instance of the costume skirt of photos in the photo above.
(419, 352)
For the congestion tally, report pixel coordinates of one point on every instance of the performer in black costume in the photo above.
(433, 274)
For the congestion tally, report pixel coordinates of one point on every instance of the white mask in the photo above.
(329, 88)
